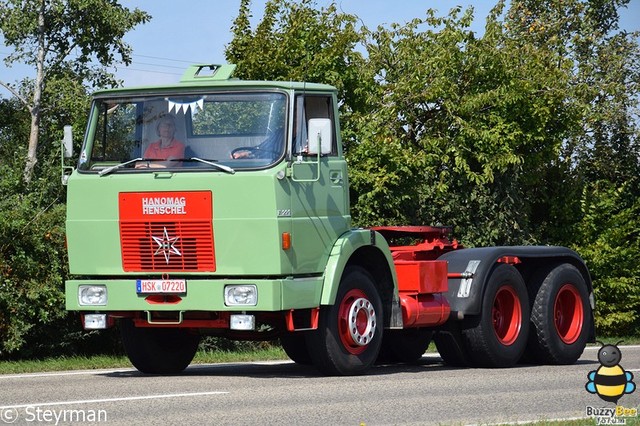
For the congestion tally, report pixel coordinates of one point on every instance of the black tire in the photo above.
(405, 346)
(335, 347)
(450, 345)
(295, 346)
(560, 316)
(158, 350)
(498, 336)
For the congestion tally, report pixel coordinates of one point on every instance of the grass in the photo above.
(628, 340)
(629, 421)
(63, 363)
(267, 354)
(114, 361)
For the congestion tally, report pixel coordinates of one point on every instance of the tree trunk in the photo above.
(37, 99)
(33, 146)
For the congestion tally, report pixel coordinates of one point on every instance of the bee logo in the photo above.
(610, 381)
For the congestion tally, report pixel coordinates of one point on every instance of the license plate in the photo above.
(161, 286)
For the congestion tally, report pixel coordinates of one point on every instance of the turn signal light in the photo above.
(286, 241)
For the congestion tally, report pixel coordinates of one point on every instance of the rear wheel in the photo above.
(560, 317)
(498, 336)
(158, 350)
(349, 333)
(405, 345)
(450, 345)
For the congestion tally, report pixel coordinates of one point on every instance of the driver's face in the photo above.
(166, 129)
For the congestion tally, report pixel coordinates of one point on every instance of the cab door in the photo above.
(319, 185)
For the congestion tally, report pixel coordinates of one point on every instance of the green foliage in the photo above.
(33, 262)
(32, 267)
(608, 237)
(296, 41)
(473, 116)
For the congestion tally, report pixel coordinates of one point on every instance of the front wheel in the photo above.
(498, 336)
(295, 346)
(349, 333)
(158, 350)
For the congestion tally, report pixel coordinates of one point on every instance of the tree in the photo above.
(33, 262)
(296, 41)
(45, 34)
(597, 201)
(475, 117)
(603, 69)
(608, 237)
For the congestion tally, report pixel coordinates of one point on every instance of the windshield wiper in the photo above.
(210, 163)
(117, 166)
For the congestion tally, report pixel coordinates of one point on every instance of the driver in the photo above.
(167, 147)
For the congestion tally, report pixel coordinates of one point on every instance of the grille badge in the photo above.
(166, 245)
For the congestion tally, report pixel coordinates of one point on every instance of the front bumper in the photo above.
(201, 295)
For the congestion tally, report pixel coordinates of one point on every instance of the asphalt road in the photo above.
(284, 393)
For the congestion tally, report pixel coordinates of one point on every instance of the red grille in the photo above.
(167, 241)
(185, 246)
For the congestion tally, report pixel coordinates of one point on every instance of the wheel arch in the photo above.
(465, 296)
(369, 250)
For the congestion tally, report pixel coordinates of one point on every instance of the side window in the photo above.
(116, 137)
(308, 107)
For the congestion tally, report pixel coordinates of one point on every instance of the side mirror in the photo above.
(320, 135)
(67, 142)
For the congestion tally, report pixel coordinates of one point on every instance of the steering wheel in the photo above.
(252, 152)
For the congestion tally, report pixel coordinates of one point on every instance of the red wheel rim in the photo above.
(356, 321)
(568, 314)
(507, 315)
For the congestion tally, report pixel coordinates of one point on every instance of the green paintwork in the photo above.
(342, 251)
(247, 231)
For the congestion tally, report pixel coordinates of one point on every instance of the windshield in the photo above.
(221, 131)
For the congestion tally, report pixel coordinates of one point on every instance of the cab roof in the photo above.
(200, 76)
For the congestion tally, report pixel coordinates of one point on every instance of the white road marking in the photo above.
(62, 373)
(129, 398)
(526, 422)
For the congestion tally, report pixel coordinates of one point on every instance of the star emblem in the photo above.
(166, 245)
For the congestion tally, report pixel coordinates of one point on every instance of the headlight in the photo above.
(92, 295)
(95, 321)
(235, 295)
(242, 322)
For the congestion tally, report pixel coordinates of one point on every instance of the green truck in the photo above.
(218, 206)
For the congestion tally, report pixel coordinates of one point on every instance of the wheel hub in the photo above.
(506, 315)
(568, 314)
(357, 321)
(362, 321)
